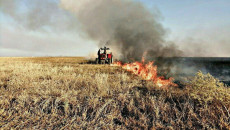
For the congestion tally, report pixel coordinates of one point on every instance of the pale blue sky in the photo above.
(207, 21)
(187, 14)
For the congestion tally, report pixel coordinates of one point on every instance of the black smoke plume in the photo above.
(130, 28)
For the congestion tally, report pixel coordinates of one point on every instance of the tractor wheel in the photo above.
(97, 61)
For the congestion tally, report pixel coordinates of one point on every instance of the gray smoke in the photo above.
(39, 15)
(128, 26)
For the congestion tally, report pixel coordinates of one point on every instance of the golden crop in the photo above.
(69, 93)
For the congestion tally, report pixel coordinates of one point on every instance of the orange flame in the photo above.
(147, 72)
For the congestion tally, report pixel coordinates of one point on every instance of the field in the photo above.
(70, 93)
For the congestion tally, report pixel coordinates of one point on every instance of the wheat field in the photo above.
(70, 93)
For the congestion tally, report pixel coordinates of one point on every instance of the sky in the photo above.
(38, 28)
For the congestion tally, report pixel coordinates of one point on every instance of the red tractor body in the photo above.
(104, 57)
(109, 55)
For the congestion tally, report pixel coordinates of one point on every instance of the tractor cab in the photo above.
(104, 56)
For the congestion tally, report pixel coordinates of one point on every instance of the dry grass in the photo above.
(62, 93)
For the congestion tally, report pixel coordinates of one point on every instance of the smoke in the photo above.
(39, 28)
(39, 15)
(128, 26)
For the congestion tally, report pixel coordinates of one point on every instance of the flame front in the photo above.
(147, 72)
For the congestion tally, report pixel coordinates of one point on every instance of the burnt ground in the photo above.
(188, 66)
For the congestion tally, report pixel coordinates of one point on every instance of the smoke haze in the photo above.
(128, 26)
(39, 15)
(39, 28)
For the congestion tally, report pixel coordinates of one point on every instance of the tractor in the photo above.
(104, 57)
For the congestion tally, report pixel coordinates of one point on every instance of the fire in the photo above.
(147, 72)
